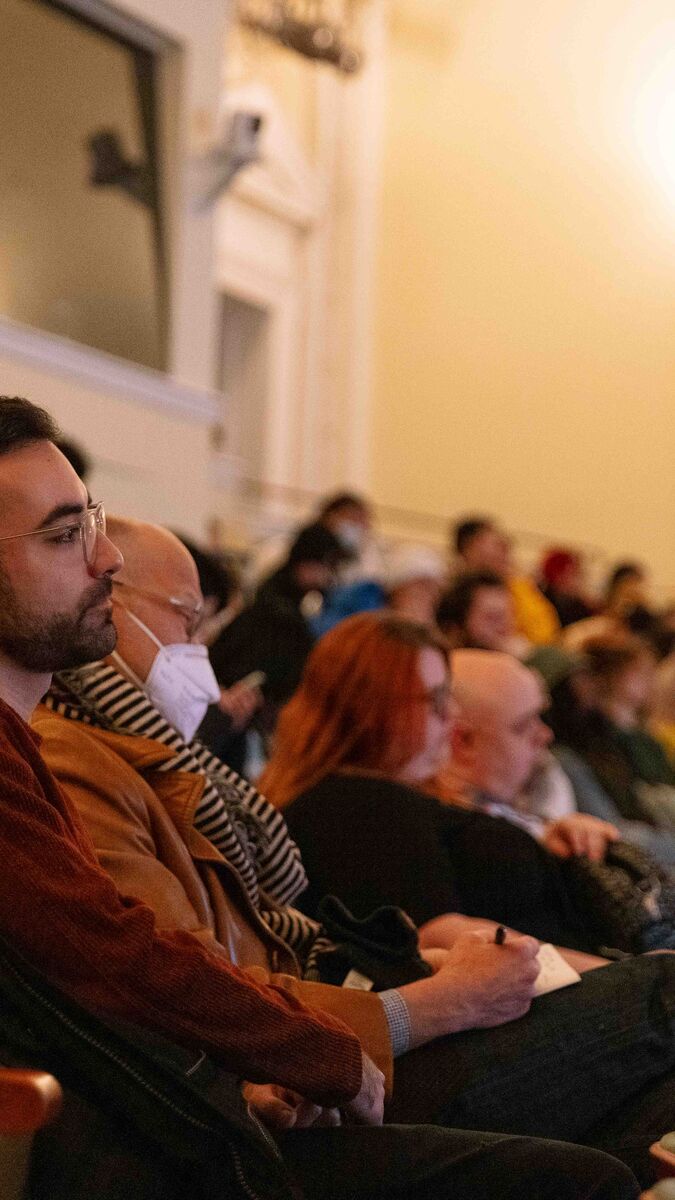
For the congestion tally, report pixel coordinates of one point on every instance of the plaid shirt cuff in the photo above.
(398, 1020)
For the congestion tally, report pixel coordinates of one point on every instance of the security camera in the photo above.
(240, 147)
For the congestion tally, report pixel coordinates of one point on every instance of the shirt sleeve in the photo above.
(398, 1020)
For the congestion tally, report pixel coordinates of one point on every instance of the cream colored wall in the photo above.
(147, 464)
(524, 348)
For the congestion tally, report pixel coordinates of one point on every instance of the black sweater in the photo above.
(371, 841)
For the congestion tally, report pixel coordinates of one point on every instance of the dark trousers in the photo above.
(422, 1163)
(593, 1063)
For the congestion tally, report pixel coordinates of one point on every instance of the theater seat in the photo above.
(28, 1100)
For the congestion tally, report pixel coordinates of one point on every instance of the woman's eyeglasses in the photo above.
(439, 700)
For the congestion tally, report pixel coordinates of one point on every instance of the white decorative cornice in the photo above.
(105, 372)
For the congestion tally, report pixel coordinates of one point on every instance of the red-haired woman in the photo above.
(369, 723)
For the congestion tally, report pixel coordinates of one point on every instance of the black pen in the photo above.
(500, 935)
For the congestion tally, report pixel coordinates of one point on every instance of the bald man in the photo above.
(498, 741)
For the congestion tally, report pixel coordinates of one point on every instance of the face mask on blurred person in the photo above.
(181, 683)
(351, 535)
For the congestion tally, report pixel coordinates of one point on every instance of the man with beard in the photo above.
(62, 912)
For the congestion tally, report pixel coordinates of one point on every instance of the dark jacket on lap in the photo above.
(372, 842)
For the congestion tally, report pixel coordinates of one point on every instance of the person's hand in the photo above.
(435, 956)
(240, 702)
(280, 1109)
(368, 1107)
(580, 834)
(479, 986)
(442, 932)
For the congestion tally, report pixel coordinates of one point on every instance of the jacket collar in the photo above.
(179, 791)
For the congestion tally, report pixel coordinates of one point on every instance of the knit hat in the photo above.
(556, 563)
(410, 562)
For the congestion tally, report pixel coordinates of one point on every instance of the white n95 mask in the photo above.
(181, 683)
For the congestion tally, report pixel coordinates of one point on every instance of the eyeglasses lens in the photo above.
(92, 525)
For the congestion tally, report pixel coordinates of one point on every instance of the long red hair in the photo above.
(357, 706)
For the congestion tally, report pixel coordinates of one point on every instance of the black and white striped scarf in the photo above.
(232, 814)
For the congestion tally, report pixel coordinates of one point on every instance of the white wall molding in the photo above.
(264, 226)
(105, 373)
(296, 238)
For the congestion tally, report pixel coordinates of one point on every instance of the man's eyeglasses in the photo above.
(85, 528)
(190, 610)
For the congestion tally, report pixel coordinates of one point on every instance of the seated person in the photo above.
(410, 584)
(349, 517)
(562, 576)
(613, 739)
(625, 608)
(477, 613)
(273, 635)
(362, 736)
(662, 723)
(481, 546)
(413, 580)
(141, 798)
(574, 720)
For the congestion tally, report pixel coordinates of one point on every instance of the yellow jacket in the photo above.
(534, 615)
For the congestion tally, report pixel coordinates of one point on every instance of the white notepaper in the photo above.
(554, 972)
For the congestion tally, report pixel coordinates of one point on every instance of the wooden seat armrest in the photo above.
(28, 1100)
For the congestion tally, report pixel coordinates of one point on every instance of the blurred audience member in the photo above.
(628, 760)
(481, 546)
(578, 725)
(348, 516)
(220, 589)
(608, 731)
(663, 709)
(626, 589)
(412, 580)
(625, 608)
(563, 584)
(272, 635)
(231, 715)
(477, 613)
(414, 577)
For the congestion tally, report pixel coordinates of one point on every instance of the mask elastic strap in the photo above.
(153, 637)
(118, 657)
(128, 671)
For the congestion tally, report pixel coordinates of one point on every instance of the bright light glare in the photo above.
(654, 121)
